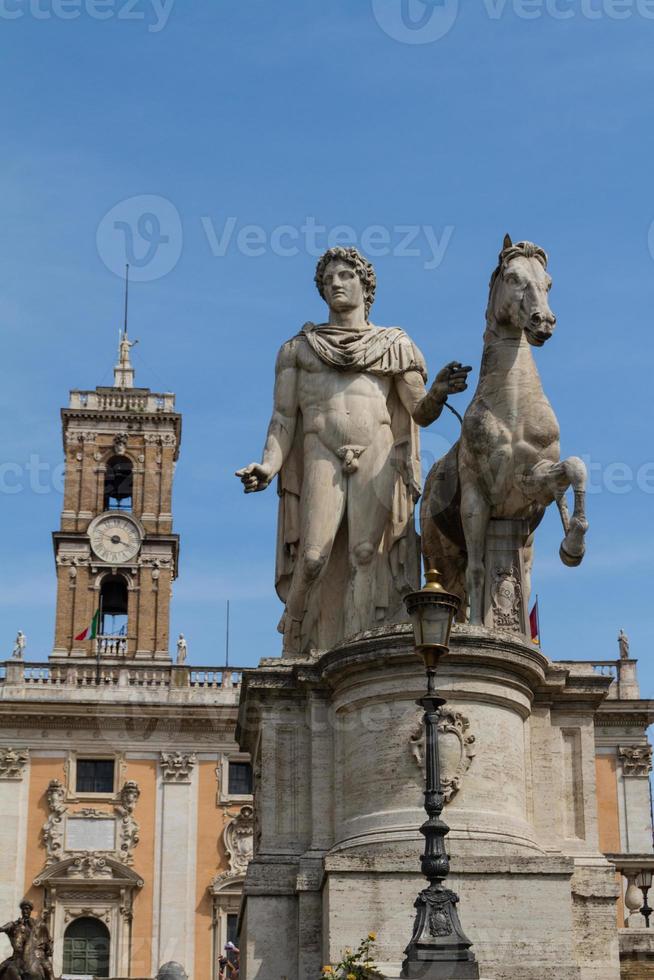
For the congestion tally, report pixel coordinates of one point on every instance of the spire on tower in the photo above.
(123, 371)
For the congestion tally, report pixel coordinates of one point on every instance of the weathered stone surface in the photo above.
(506, 466)
(339, 798)
(343, 440)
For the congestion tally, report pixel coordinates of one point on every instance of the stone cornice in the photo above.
(625, 713)
(137, 721)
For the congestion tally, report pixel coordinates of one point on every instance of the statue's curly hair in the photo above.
(361, 266)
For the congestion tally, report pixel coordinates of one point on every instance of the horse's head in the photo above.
(518, 292)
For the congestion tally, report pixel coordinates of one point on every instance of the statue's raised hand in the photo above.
(453, 378)
(255, 477)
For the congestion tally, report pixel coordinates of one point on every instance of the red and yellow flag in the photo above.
(534, 624)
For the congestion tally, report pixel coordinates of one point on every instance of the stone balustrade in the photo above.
(19, 679)
(624, 684)
(141, 400)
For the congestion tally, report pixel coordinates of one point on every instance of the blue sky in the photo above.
(528, 117)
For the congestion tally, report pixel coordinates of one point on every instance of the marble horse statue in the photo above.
(506, 464)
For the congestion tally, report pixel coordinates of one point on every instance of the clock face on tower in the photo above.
(115, 538)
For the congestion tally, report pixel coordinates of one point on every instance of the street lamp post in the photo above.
(439, 949)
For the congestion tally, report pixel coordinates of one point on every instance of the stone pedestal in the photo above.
(338, 762)
(506, 594)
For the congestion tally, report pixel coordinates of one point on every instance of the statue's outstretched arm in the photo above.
(285, 406)
(424, 406)
(257, 476)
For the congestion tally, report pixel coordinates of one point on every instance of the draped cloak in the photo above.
(385, 352)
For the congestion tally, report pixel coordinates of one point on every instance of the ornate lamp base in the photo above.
(439, 949)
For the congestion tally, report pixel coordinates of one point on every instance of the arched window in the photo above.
(113, 607)
(118, 483)
(86, 949)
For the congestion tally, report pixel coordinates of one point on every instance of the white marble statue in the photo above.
(343, 440)
(507, 464)
(623, 644)
(182, 650)
(18, 652)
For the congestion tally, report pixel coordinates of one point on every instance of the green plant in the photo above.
(356, 964)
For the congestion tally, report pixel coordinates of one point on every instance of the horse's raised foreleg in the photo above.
(549, 481)
(573, 546)
(475, 513)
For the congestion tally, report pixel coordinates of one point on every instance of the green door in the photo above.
(86, 948)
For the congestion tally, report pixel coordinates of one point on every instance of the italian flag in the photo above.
(91, 631)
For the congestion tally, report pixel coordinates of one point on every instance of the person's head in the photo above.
(26, 908)
(345, 279)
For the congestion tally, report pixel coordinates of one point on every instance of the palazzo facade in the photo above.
(126, 805)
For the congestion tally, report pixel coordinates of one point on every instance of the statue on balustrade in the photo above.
(343, 442)
(32, 947)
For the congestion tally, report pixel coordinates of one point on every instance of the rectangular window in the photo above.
(240, 779)
(232, 929)
(95, 776)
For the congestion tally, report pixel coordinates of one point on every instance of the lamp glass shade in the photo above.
(644, 879)
(432, 623)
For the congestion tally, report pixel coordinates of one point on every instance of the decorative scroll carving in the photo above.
(53, 828)
(13, 762)
(177, 767)
(636, 759)
(455, 724)
(129, 829)
(239, 840)
(75, 436)
(89, 865)
(94, 911)
(506, 599)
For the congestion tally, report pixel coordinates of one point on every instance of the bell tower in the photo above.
(115, 552)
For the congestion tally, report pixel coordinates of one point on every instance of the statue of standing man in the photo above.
(343, 440)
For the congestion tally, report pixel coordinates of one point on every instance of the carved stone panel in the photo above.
(239, 840)
(90, 833)
(636, 760)
(456, 746)
(13, 763)
(177, 767)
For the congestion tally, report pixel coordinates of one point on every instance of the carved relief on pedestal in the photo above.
(636, 759)
(13, 763)
(456, 749)
(177, 767)
(506, 599)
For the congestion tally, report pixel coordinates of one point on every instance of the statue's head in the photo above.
(56, 792)
(129, 794)
(345, 278)
(519, 289)
(26, 908)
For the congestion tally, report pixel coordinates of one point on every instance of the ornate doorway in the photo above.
(86, 949)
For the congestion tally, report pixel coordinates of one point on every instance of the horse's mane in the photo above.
(525, 250)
